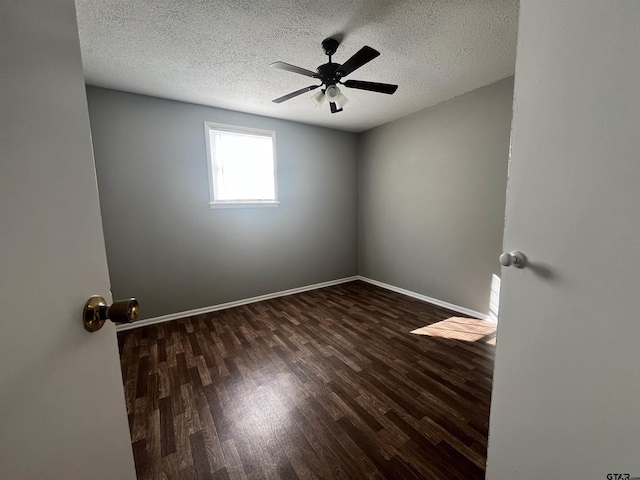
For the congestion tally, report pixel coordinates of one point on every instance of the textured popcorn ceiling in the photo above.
(217, 52)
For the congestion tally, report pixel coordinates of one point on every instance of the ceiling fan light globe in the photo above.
(335, 95)
(318, 98)
(332, 93)
(340, 100)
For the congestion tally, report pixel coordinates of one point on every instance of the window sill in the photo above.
(215, 205)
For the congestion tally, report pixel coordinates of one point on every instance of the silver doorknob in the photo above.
(515, 258)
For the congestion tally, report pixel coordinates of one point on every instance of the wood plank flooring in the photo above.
(327, 384)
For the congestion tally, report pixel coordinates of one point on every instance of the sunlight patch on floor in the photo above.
(459, 328)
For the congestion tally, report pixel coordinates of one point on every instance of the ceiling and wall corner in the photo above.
(217, 53)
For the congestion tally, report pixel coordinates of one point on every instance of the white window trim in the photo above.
(213, 203)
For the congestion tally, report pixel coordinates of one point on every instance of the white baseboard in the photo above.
(424, 298)
(237, 303)
(292, 291)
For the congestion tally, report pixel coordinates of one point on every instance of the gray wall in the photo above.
(166, 247)
(431, 197)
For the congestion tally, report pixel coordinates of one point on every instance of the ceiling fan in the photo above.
(331, 75)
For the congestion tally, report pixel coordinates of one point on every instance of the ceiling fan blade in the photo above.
(371, 86)
(334, 109)
(292, 68)
(362, 56)
(295, 94)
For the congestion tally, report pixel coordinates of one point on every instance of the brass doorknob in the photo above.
(96, 312)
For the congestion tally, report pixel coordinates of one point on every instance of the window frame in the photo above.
(215, 203)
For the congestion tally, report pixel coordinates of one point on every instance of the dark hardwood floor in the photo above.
(327, 384)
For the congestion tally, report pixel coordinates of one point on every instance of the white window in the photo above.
(242, 166)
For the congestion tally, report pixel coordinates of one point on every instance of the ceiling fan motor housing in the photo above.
(328, 73)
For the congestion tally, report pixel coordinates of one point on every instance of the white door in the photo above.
(62, 410)
(566, 398)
